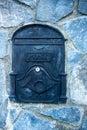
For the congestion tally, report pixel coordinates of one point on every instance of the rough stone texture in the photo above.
(2, 2)
(45, 10)
(48, 10)
(84, 124)
(77, 31)
(3, 102)
(16, 110)
(63, 8)
(14, 113)
(28, 121)
(71, 115)
(3, 43)
(73, 57)
(82, 6)
(78, 83)
(13, 14)
(31, 3)
(3, 114)
(2, 82)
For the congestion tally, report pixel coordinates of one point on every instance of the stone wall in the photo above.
(70, 17)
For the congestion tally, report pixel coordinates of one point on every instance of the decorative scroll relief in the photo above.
(38, 56)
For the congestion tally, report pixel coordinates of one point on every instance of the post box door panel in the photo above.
(38, 61)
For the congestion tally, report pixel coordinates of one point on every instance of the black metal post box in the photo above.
(38, 65)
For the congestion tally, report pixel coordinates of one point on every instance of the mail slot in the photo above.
(38, 65)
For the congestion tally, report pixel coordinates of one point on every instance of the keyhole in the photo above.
(37, 69)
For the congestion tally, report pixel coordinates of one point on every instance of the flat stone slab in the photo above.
(73, 57)
(2, 81)
(28, 121)
(2, 2)
(17, 109)
(84, 124)
(3, 101)
(14, 14)
(45, 10)
(3, 43)
(14, 113)
(63, 8)
(82, 6)
(78, 83)
(76, 29)
(49, 10)
(71, 115)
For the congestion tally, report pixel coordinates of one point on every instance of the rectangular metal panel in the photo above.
(38, 67)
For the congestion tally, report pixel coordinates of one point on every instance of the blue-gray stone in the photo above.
(82, 6)
(14, 14)
(3, 98)
(63, 8)
(49, 10)
(14, 113)
(2, 2)
(70, 115)
(28, 121)
(83, 73)
(3, 114)
(73, 57)
(2, 82)
(3, 43)
(84, 124)
(45, 10)
(77, 31)
(78, 83)
(31, 3)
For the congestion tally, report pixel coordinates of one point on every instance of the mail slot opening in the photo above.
(38, 65)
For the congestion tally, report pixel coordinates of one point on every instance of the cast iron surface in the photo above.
(38, 65)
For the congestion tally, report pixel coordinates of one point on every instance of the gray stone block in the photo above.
(3, 114)
(63, 8)
(28, 121)
(2, 82)
(77, 31)
(3, 43)
(48, 10)
(82, 6)
(14, 14)
(2, 2)
(31, 3)
(14, 113)
(3, 97)
(78, 83)
(71, 115)
(73, 57)
(45, 10)
(84, 124)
